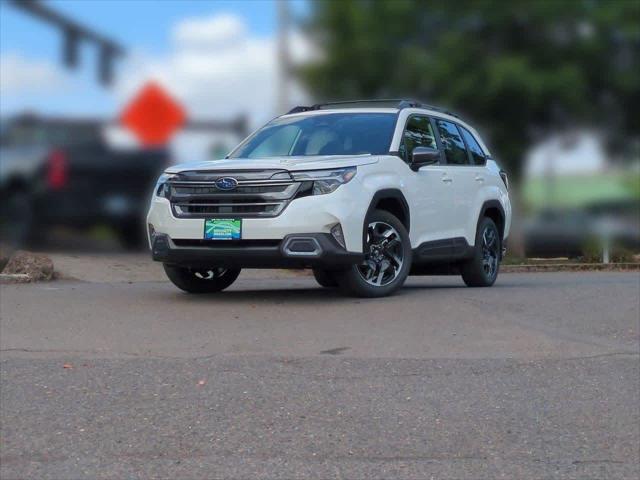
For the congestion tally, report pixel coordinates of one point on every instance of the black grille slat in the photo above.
(236, 210)
(227, 243)
(242, 190)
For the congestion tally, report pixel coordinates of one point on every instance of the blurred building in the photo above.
(574, 195)
(573, 170)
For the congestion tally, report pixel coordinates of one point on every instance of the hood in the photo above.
(315, 162)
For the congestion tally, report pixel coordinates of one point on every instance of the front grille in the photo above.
(258, 194)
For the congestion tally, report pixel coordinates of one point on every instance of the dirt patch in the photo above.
(25, 266)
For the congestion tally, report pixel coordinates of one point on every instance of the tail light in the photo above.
(57, 170)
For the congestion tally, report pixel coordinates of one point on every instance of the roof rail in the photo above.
(398, 103)
(419, 104)
(299, 108)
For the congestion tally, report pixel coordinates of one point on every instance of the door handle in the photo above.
(447, 179)
(479, 179)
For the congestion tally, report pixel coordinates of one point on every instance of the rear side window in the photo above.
(418, 133)
(477, 155)
(452, 143)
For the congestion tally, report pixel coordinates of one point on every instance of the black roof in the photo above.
(398, 103)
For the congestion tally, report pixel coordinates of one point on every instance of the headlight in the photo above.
(162, 189)
(326, 181)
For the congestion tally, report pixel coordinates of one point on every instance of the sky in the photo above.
(216, 57)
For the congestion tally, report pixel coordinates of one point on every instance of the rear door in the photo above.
(457, 167)
(474, 179)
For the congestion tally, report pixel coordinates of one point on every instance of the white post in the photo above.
(606, 246)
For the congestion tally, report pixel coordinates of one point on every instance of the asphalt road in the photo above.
(537, 377)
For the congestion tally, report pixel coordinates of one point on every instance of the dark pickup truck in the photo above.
(62, 172)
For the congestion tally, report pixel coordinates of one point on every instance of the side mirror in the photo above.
(423, 156)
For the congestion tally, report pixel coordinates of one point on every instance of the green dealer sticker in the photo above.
(222, 229)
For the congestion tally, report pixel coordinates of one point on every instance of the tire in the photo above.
(201, 281)
(387, 259)
(132, 236)
(17, 219)
(325, 278)
(482, 269)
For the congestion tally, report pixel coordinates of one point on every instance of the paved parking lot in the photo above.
(537, 377)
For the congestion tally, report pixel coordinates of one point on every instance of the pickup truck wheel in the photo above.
(482, 269)
(325, 278)
(206, 280)
(387, 250)
(132, 235)
(16, 218)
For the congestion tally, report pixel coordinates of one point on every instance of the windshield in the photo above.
(325, 134)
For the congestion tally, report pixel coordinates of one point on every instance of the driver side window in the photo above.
(417, 133)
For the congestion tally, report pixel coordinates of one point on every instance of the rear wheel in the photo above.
(204, 280)
(482, 269)
(325, 278)
(387, 260)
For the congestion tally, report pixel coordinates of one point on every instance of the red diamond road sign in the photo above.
(153, 115)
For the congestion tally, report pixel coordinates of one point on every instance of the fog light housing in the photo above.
(302, 246)
(336, 232)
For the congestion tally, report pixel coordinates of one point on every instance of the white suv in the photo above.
(364, 193)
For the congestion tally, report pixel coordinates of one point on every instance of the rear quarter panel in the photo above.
(493, 189)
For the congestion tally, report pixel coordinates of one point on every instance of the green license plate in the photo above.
(223, 229)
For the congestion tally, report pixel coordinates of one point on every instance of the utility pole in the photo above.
(284, 64)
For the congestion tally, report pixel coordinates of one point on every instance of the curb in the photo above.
(571, 267)
(9, 278)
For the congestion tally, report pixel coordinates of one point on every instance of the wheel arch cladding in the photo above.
(493, 209)
(392, 200)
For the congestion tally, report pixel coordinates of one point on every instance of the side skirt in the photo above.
(441, 257)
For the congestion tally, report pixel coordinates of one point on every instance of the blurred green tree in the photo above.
(519, 69)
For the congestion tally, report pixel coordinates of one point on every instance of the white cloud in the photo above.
(211, 31)
(21, 75)
(218, 69)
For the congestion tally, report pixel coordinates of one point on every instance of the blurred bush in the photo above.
(593, 249)
(520, 70)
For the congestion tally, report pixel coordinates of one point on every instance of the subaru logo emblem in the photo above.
(226, 183)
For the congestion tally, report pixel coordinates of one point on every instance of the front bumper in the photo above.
(346, 206)
(290, 252)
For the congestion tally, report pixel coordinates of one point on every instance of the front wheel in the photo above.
(204, 280)
(482, 269)
(325, 278)
(387, 261)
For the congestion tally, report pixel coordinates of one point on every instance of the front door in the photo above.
(430, 187)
